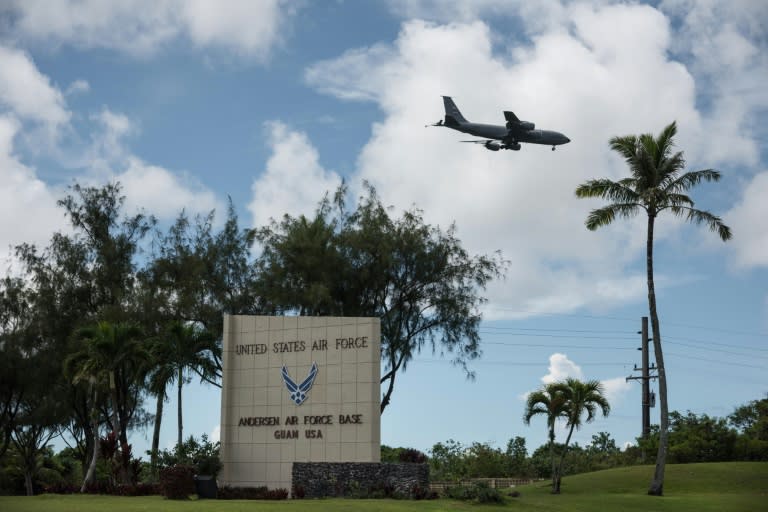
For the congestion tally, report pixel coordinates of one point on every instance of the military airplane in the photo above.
(509, 136)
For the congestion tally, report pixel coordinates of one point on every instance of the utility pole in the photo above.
(645, 377)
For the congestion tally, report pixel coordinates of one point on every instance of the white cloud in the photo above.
(725, 44)
(293, 180)
(159, 191)
(28, 93)
(561, 368)
(142, 27)
(250, 28)
(77, 87)
(215, 436)
(164, 193)
(615, 389)
(748, 217)
(27, 205)
(571, 78)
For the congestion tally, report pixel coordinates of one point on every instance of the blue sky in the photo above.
(274, 102)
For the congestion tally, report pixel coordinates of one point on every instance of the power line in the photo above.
(703, 342)
(564, 347)
(716, 361)
(598, 331)
(533, 335)
(515, 363)
(741, 354)
(606, 317)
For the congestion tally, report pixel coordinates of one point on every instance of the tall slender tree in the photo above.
(580, 397)
(183, 350)
(656, 184)
(550, 402)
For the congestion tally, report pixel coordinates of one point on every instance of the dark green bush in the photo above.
(412, 455)
(479, 492)
(251, 493)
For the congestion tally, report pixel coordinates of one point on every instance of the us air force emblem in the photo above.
(299, 391)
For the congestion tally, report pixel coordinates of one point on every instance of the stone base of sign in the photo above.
(321, 479)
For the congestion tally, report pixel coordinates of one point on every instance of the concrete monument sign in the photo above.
(297, 389)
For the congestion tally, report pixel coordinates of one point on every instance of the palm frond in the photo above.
(675, 200)
(607, 214)
(690, 179)
(713, 222)
(626, 146)
(621, 191)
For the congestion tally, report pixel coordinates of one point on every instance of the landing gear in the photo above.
(553, 148)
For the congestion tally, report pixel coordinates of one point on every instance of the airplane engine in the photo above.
(515, 146)
(493, 146)
(527, 125)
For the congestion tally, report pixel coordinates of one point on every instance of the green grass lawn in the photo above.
(731, 487)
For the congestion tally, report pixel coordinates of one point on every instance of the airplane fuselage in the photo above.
(509, 136)
(502, 133)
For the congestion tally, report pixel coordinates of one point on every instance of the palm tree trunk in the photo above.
(156, 433)
(657, 484)
(113, 396)
(552, 454)
(90, 475)
(556, 488)
(181, 426)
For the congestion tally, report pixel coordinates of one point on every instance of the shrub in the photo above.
(177, 482)
(251, 493)
(202, 454)
(480, 492)
(412, 455)
(483, 493)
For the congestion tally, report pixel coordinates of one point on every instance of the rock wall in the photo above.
(360, 479)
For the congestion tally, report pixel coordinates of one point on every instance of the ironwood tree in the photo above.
(417, 278)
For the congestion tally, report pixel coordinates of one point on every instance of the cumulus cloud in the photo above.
(750, 243)
(77, 87)
(27, 205)
(160, 191)
(293, 179)
(615, 389)
(576, 77)
(561, 368)
(215, 436)
(28, 93)
(725, 46)
(142, 27)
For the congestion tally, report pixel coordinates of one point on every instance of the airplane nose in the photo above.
(566, 140)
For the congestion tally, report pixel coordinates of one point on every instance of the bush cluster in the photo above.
(251, 493)
(412, 455)
(479, 492)
(177, 482)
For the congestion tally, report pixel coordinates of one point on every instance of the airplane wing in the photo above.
(511, 117)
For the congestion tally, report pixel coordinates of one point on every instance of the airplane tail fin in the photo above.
(453, 116)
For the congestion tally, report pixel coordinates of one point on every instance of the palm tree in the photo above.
(184, 349)
(549, 401)
(580, 397)
(107, 349)
(160, 376)
(656, 184)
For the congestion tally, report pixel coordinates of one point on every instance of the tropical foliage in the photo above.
(115, 312)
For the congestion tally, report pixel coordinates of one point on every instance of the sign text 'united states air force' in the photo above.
(301, 345)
